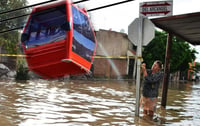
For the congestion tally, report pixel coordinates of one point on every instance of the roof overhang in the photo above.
(186, 26)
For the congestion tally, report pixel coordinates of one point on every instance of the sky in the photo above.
(118, 18)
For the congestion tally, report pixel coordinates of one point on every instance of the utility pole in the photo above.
(166, 70)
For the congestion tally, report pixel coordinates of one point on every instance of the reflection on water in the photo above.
(183, 104)
(88, 103)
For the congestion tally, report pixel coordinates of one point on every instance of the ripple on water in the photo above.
(86, 103)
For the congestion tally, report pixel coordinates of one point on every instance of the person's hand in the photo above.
(143, 67)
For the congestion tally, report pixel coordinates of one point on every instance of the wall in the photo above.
(110, 46)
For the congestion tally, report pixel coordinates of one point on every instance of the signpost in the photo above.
(141, 32)
(156, 8)
(148, 31)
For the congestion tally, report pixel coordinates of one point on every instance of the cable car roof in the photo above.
(186, 26)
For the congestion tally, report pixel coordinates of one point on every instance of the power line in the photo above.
(80, 1)
(74, 3)
(12, 29)
(102, 7)
(21, 27)
(14, 17)
(4, 12)
(29, 13)
(110, 5)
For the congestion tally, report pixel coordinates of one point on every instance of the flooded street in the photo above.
(91, 103)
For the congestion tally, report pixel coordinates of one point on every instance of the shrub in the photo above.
(22, 71)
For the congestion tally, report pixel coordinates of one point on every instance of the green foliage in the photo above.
(155, 50)
(22, 70)
(181, 53)
(3, 41)
(12, 43)
(11, 39)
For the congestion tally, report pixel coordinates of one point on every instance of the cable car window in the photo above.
(83, 37)
(46, 26)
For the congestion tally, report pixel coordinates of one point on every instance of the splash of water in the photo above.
(110, 61)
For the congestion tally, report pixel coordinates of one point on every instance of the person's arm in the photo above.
(144, 71)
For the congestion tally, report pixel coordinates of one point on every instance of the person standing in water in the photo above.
(152, 78)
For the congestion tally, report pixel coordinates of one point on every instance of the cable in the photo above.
(80, 1)
(12, 29)
(4, 12)
(29, 13)
(109, 5)
(16, 28)
(14, 17)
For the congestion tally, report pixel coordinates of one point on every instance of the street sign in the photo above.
(133, 31)
(140, 32)
(156, 8)
(148, 31)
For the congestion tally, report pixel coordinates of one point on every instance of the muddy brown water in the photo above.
(91, 103)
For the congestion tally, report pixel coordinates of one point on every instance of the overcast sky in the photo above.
(120, 16)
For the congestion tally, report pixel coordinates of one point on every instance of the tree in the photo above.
(9, 40)
(181, 53)
(155, 50)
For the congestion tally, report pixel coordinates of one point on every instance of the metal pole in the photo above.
(139, 56)
(134, 69)
(166, 70)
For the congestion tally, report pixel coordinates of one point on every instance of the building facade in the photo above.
(112, 58)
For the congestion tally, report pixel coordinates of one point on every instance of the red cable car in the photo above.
(58, 40)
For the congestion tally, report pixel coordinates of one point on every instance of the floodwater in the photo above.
(91, 103)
